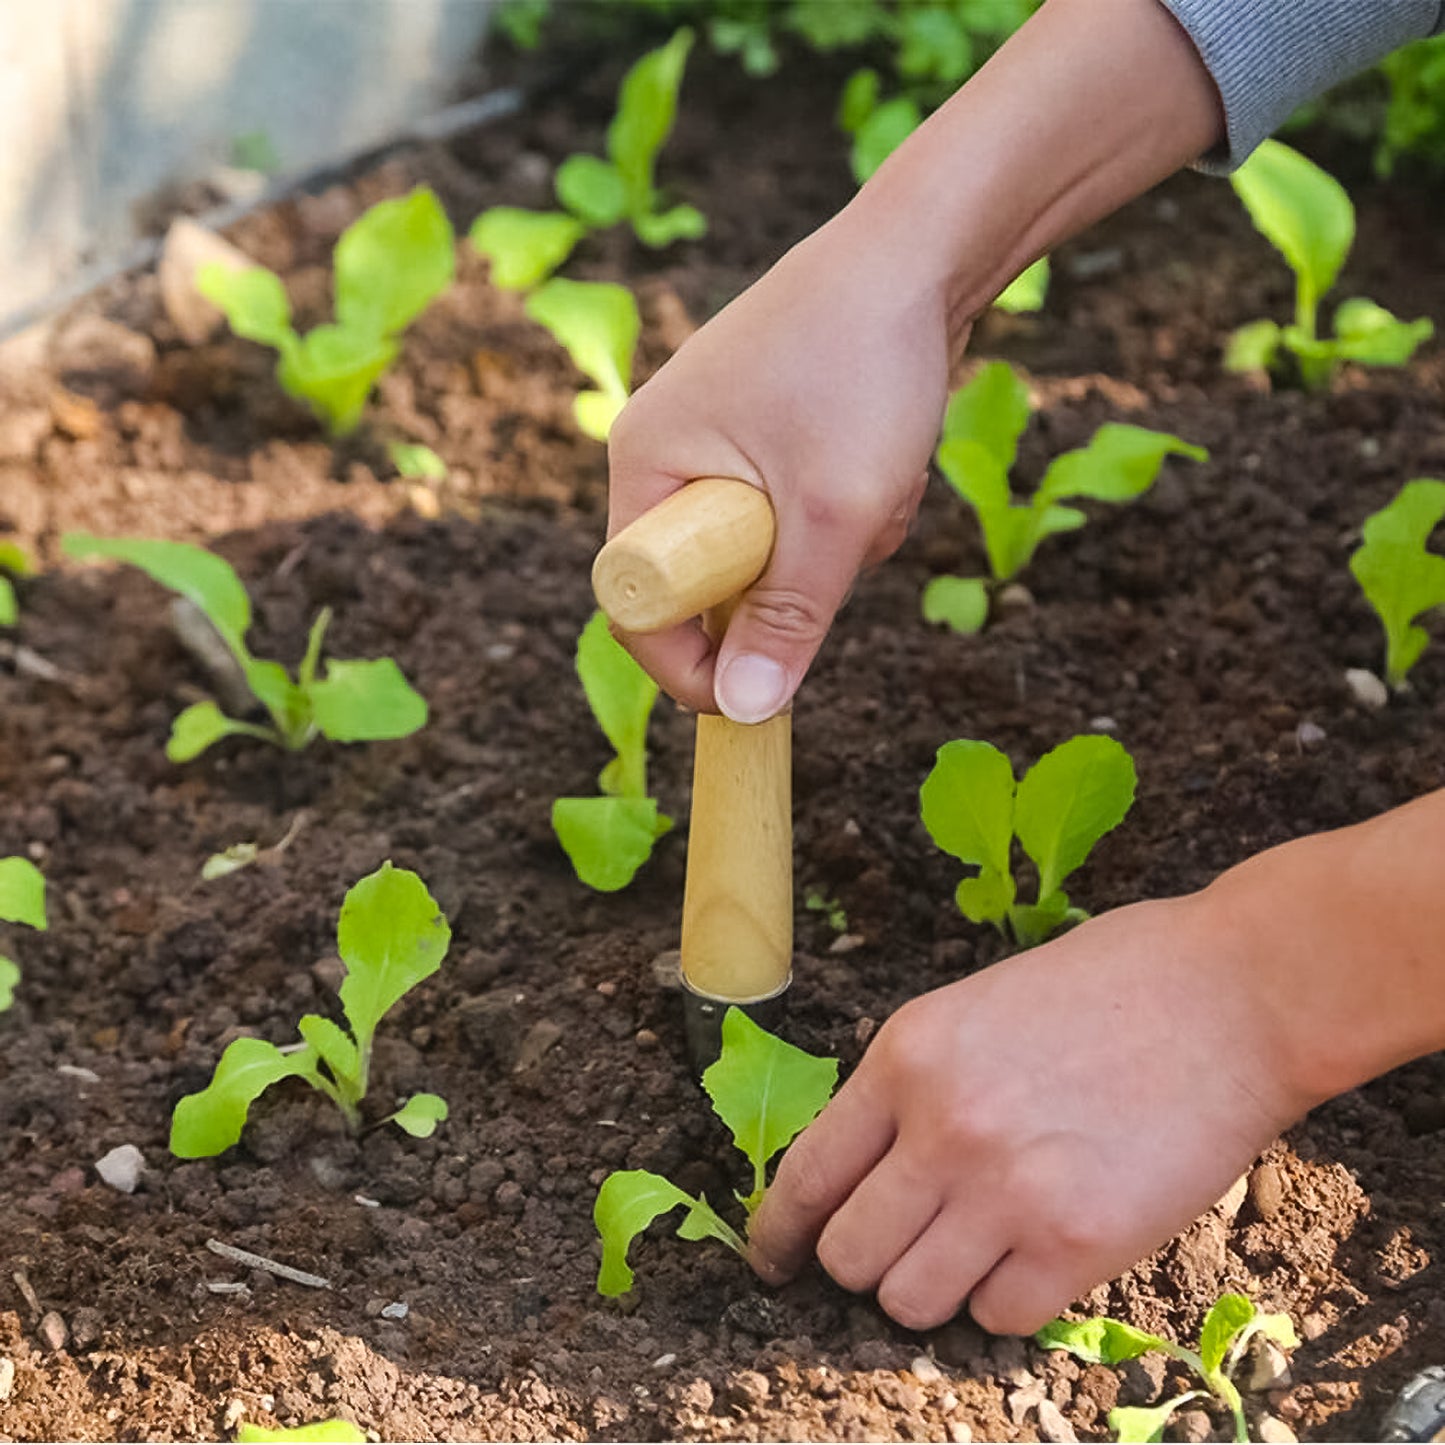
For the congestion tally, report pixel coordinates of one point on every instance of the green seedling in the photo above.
(981, 431)
(391, 936)
(355, 702)
(388, 267)
(525, 247)
(598, 324)
(1306, 214)
(322, 1432)
(830, 908)
(13, 559)
(766, 1092)
(1229, 1326)
(1027, 291)
(1400, 577)
(609, 838)
(1067, 801)
(877, 126)
(22, 900)
(415, 462)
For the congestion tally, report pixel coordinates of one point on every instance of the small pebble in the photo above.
(52, 1331)
(846, 943)
(1103, 724)
(1274, 1431)
(235, 1413)
(122, 1167)
(1014, 598)
(1193, 1426)
(1309, 735)
(329, 972)
(645, 1039)
(1232, 1200)
(1053, 1426)
(1368, 690)
(607, 988)
(663, 1361)
(1266, 1189)
(926, 1371)
(1269, 1366)
(959, 1433)
(397, 1310)
(667, 969)
(7, 1378)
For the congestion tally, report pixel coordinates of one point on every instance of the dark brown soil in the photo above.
(1210, 622)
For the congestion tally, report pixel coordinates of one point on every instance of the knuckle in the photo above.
(788, 613)
(904, 1303)
(844, 1263)
(809, 1190)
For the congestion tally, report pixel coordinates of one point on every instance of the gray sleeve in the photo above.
(1269, 56)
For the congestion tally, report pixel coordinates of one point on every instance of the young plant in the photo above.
(1067, 801)
(877, 126)
(13, 559)
(1306, 214)
(525, 247)
(981, 431)
(598, 324)
(1027, 291)
(22, 900)
(416, 462)
(832, 911)
(391, 936)
(1400, 577)
(335, 1431)
(609, 838)
(1229, 1326)
(388, 267)
(354, 702)
(766, 1092)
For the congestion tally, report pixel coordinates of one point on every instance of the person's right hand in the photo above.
(823, 384)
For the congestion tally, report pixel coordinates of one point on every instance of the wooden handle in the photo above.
(703, 545)
(737, 908)
(689, 555)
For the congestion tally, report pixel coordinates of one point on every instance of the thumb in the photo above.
(779, 625)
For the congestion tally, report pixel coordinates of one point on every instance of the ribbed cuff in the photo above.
(1269, 56)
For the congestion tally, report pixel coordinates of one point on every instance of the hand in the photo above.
(823, 384)
(1014, 1139)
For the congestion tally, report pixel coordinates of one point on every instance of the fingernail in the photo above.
(751, 688)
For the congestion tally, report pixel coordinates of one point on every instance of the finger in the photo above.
(928, 1285)
(879, 1222)
(819, 1171)
(1022, 1294)
(782, 619)
(680, 660)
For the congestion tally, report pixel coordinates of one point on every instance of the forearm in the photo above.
(1088, 105)
(1341, 937)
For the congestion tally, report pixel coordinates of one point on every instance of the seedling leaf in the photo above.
(608, 839)
(1119, 463)
(646, 109)
(765, 1090)
(392, 262)
(22, 893)
(323, 1432)
(961, 602)
(9, 607)
(992, 410)
(366, 701)
(890, 124)
(1141, 1424)
(253, 299)
(967, 804)
(524, 247)
(333, 369)
(593, 189)
(1253, 347)
(211, 1121)
(1368, 333)
(1399, 576)
(628, 1201)
(1303, 211)
(202, 724)
(206, 580)
(333, 1046)
(1100, 1341)
(228, 861)
(677, 223)
(619, 692)
(1027, 291)
(9, 977)
(420, 1115)
(14, 558)
(391, 936)
(416, 462)
(1229, 1314)
(598, 324)
(1068, 800)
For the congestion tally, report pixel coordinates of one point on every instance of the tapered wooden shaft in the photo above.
(693, 552)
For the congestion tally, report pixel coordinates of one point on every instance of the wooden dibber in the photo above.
(688, 556)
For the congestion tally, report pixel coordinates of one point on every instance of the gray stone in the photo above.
(1368, 690)
(52, 1331)
(121, 1168)
(1267, 1189)
(1273, 1431)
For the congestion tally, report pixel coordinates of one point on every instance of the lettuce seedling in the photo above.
(525, 247)
(13, 559)
(22, 900)
(416, 462)
(1229, 1326)
(388, 267)
(1306, 214)
(335, 1431)
(1067, 801)
(354, 702)
(391, 935)
(598, 324)
(877, 126)
(766, 1092)
(1027, 291)
(981, 431)
(609, 838)
(1400, 577)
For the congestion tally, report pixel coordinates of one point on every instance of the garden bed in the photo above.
(1209, 623)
